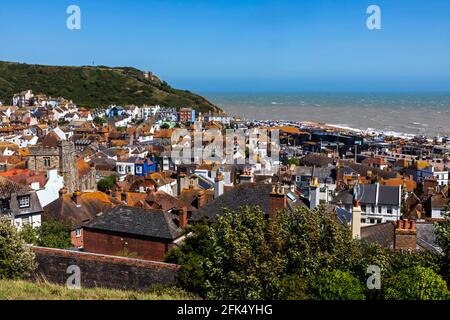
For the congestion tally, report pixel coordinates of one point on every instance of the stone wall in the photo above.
(102, 271)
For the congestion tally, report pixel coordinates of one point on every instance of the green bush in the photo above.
(243, 255)
(16, 258)
(416, 283)
(336, 285)
(107, 183)
(54, 233)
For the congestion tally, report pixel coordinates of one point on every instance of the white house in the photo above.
(379, 203)
(125, 167)
(50, 192)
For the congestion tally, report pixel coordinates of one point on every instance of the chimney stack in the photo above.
(76, 197)
(405, 237)
(218, 185)
(277, 201)
(356, 221)
(314, 193)
(183, 217)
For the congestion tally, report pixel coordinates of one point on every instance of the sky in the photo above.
(243, 46)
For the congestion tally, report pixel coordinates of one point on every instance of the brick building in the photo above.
(147, 234)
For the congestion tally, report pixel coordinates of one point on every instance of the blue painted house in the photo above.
(144, 167)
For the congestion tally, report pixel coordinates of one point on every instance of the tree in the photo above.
(442, 230)
(336, 285)
(237, 257)
(292, 161)
(313, 240)
(55, 233)
(99, 121)
(107, 183)
(416, 283)
(16, 258)
(243, 255)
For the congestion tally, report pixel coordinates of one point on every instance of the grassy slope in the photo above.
(95, 86)
(25, 290)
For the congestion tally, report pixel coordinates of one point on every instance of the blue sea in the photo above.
(419, 114)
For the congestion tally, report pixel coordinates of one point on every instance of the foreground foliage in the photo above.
(53, 233)
(417, 283)
(25, 290)
(301, 255)
(16, 258)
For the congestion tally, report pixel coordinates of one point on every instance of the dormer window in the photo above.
(24, 202)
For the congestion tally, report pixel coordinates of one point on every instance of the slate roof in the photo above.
(387, 195)
(138, 221)
(316, 159)
(92, 204)
(247, 194)
(363, 170)
(383, 234)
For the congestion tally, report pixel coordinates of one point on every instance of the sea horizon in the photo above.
(418, 113)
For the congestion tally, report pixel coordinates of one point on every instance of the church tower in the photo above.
(68, 166)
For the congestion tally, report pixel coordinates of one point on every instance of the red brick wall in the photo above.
(111, 244)
(405, 241)
(101, 270)
(277, 202)
(77, 242)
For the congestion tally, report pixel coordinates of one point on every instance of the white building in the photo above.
(379, 203)
(50, 192)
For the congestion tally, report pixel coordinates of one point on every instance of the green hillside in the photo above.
(95, 86)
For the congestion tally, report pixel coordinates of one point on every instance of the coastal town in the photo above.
(110, 173)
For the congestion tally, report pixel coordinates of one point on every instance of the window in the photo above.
(380, 210)
(5, 205)
(24, 202)
(25, 221)
(363, 208)
(363, 220)
(128, 169)
(138, 169)
(389, 210)
(78, 233)
(47, 162)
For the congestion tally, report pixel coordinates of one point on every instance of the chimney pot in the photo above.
(405, 224)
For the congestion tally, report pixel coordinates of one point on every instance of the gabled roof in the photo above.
(247, 194)
(138, 221)
(372, 194)
(92, 204)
